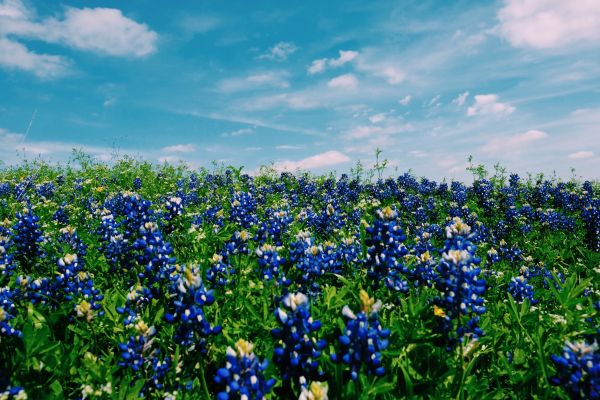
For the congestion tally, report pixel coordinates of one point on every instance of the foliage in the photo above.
(134, 280)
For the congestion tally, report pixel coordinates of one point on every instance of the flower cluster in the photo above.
(269, 262)
(6, 259)
(459, 284)
(298, 351)
(521, 290)
(314, 261)
(189, 296)
(243, 210)
(154, 254)
(7, 309)
(27, 238)
(243, 376)
(578, 370)
(385, 249)
(363, 339)
(13, 393)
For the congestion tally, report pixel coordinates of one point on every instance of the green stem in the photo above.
(461, 371)
(203, 379)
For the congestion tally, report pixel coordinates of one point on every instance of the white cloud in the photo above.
(238, 132)
(327, 159)
(280, 52)
(253, 148)
(511, 144)
(321, 64)
(370, 131)
(377, 118)
(417, 153)
(486, 104)
(110, 102)
(578, 155)
(460, 99)
(276, 79)
(581, 111)
(346, 81)
(101, 30)
(405, 100)
(393, 75)
(345, 56)
(434, 102)
(317, 66)
(179, 148)
(377, 65)
(14, 55)
(199, 23)
(550, 24)
(289, 147)
(290, 100)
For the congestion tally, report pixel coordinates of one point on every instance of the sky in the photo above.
(311, 85)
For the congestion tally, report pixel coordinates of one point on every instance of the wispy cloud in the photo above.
(238, 132)
(488, 104)
(460, 99)
(345, 81)
(327, 159)
(578, 155)
(405, 100)
(503, 145)
(180, 148)
(14, 55)
(265, 79)
(320, 65)
(280, 52)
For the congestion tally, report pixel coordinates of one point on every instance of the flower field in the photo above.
(137, 281)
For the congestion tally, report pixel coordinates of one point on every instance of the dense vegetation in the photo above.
(134, 280)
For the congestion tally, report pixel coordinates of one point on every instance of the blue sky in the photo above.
(315, 85)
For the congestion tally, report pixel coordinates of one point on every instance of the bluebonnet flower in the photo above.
(46, 190)
(27, 238)
(139, 354)
(7, 310)
(61, 215)
(364, 338)
(72, 283)
(154, 254)
(137, 183)
(138, 348)
(13, 393)
(220, 272)
(5, 189)
(243, 376)
(186, 310)
(174, 207)
(459, 284)
(591, 219)
(243, 209)
(520, 290)
(269, 262)
(238, 244)
(6, 259)
(274, 227)
(314, 391)
(113, 244)
(578, 370)
(385, 251)
(313, 261)
(298, 351)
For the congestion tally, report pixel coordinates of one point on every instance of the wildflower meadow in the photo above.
(133, 280)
